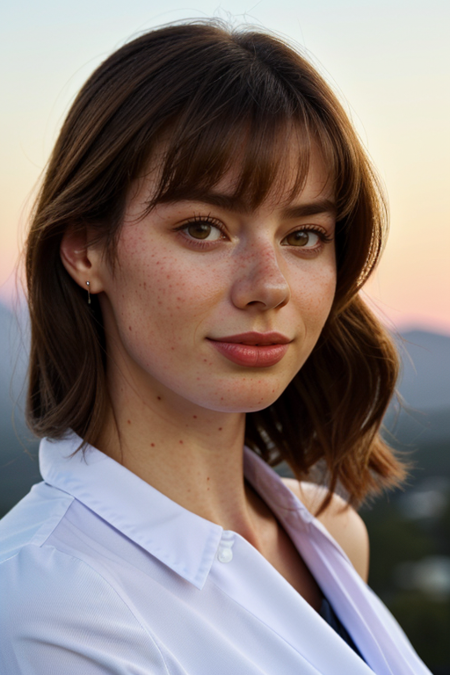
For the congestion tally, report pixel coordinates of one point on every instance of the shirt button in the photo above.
(225, 554)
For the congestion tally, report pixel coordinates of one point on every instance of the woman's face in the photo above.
(193, 276)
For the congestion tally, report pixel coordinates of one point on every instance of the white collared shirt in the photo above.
(101, 574)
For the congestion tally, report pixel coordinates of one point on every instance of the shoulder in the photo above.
(32, 519)
(57, 609)
(342, 521)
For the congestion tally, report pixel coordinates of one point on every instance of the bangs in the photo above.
(253, 126)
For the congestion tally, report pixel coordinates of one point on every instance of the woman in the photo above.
(206, 222)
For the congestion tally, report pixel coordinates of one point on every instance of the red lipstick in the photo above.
(259, 350)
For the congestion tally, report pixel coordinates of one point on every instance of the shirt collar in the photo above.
(182, 540)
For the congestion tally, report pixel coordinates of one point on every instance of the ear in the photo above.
(81, 261)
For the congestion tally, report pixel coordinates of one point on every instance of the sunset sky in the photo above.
(389, 62)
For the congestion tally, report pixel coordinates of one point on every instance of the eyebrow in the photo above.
(233, 204)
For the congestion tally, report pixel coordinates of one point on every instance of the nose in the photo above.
(260, 281)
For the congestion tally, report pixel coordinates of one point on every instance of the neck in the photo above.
(192, 455)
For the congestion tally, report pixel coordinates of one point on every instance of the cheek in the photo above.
(162, 296)
(314, 293)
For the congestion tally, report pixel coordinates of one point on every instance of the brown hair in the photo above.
(210, 93)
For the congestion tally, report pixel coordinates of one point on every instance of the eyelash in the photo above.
(198, 243)
(202, 244)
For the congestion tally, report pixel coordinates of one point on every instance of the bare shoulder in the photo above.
(342, 521)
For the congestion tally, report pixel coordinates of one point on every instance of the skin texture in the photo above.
(177, 416)
(341, 521)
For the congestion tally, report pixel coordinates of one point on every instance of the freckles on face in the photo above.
(167, 299)
(159, 298)
(314, 294)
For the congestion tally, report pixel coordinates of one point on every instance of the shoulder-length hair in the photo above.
(213, 94)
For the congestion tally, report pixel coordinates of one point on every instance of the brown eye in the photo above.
(199, 230)
(202, 229)
(302, 238)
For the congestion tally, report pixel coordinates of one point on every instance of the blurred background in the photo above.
(389, 63)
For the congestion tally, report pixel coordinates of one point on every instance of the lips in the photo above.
(253, 349)
(253, 338)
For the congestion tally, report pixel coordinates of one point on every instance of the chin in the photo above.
(233, 403)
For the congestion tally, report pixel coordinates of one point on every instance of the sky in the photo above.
(388, 61)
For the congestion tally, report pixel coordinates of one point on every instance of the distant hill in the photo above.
(13, 357)
(422, 427)
(425, 378)
(18, 449)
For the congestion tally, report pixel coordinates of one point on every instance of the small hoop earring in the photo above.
(88, 284)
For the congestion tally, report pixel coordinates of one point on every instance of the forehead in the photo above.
(297, 178)
(316, 194)
(302, 174)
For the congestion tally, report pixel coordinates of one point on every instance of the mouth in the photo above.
(255, 339)
(256, 350)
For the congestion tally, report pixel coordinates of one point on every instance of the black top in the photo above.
(328, 614)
